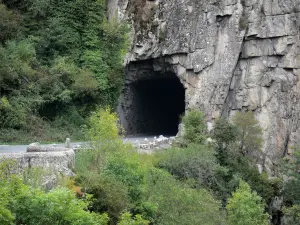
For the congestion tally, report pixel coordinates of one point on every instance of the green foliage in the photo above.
(6, 217)
(245, 207)
(59, 206)
(250, 132)
(115, 180)
(177, 204)
(121, 180)
(34, 176)
(291, 166)
(109, 195)
(291, 188)
(198, 163)
(103, 128)
(21, 204)
(194, 127)
(237, 145)
(225, 134)
(129, 171)
(243, 167)
(291, 215)
(126, 219)
(6, 184)
(114, 169)
(56, 57)
(9, 24)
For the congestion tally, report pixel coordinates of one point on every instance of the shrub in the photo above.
(291, 215)
(109, 196)
(197, 162)
(224, 133)
(246, 208)
(9, 23)
(59, 206)
(21, 204)
(249, 133)
(126, 219)
(177, 204)
(195, 129)
(103, 130)
(58, 56)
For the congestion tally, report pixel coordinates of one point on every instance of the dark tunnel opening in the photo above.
(159, 102)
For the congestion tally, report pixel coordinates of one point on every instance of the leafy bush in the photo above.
(59, 206)
(56, 57)
(195, 129)
(109, 195)
(22, 204)
(290, 167)
(246, 208)
(291, 215)
(103, 128)
(225, 134)
(126, 219)
(291, 188)
(9, 24)
(177, 204)
(250, 132)
(198, 162)
(265, 187)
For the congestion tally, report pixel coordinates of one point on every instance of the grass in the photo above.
(48, 135)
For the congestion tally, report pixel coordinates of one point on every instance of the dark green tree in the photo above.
(246, 207)
(249, 132)
(225, 134)
(195, 129)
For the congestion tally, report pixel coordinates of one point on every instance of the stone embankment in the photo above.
(53, 162)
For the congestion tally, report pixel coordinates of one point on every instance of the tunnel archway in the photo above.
(156, 104)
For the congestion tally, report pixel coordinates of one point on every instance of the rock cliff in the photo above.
(230, 55)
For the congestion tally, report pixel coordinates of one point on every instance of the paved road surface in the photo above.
(22, 148)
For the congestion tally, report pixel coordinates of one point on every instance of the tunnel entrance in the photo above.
(156, 104)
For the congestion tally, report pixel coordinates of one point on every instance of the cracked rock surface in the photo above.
(52, 162)
(230, 55)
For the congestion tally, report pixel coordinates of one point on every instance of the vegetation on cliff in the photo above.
(59, 61)
(206, 182)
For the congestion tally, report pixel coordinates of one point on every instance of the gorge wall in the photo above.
(230, 55)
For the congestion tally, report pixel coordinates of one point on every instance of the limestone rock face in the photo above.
(230, 55)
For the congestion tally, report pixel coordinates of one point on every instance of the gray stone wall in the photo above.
(230, 55)
(53, 162)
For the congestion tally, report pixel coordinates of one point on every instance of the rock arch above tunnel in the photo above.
(153, 101)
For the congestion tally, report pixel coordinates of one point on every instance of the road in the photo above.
(22, 148)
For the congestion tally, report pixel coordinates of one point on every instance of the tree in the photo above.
(9, 24)
(246, 208)
(175, 203)
(58, 207)
(60, 60)
(250, 132)
(291, 190)
(291, 215)
(126, 219)
(22, 204)
(290, 167)
(197, 163)
(195, 129)
(224, 133)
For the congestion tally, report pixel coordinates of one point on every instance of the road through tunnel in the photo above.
(154, 105)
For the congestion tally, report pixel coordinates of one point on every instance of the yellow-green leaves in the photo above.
(246, 207)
